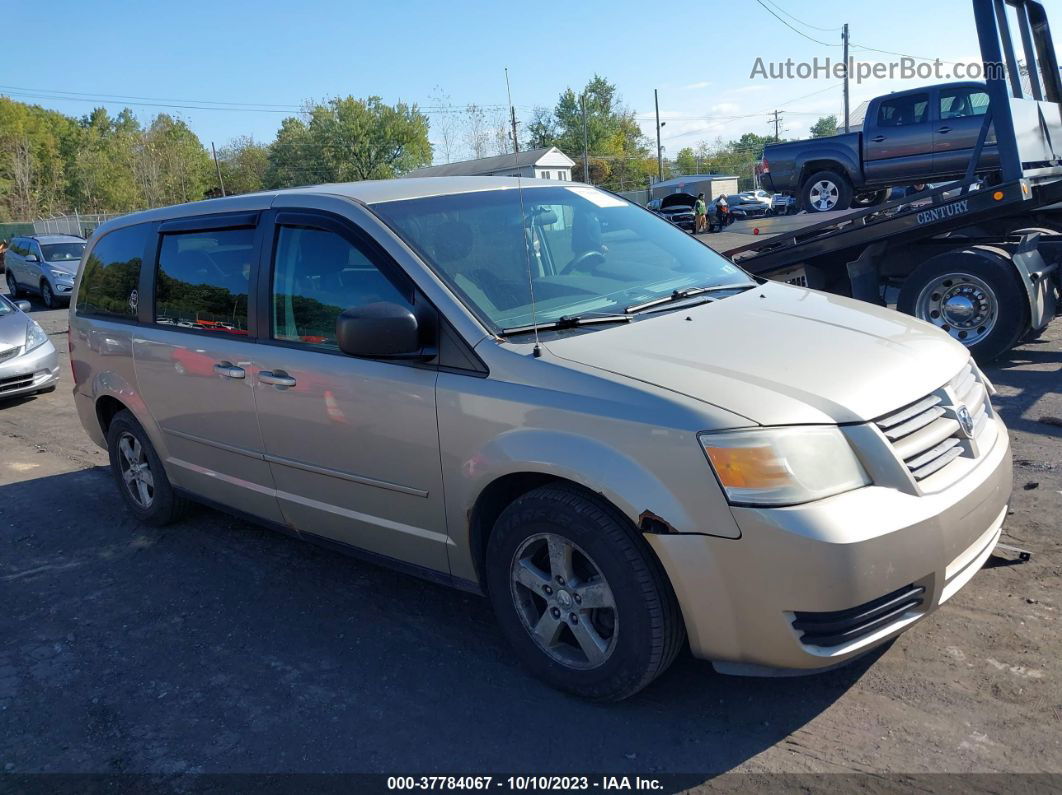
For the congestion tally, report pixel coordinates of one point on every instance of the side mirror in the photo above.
(32, 258)
(383, 329)
(25, 306)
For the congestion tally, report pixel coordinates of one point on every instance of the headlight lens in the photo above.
(783, 466)
(35, 336)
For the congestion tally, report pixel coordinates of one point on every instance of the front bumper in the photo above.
(62, 290)
(740, 597)
(30, 372)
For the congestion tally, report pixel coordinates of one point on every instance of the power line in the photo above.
(805, 24)
(766, 8)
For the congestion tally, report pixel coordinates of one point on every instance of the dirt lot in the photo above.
(215, 645)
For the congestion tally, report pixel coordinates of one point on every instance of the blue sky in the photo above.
(699, 55)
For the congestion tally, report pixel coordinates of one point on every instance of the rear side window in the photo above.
(203, 280)
(902, 111)
(112, 273)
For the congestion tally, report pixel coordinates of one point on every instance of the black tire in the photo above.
(12, 286)
(841, 190)
(165, 505)
(648, 625)
(993, 268)
(47, 296)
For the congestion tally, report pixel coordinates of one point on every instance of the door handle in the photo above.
(878, 139)
(229, 370)
(276, 378)
(944, 130)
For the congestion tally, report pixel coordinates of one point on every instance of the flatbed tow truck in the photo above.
(979, 257)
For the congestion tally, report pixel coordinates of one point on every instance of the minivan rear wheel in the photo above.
(138, 472)
(580, 596)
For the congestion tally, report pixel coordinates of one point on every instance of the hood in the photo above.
(779, 355)
(678, 200)
(69, 267)
(12, 330)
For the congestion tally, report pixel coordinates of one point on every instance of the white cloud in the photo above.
(698, 85)
(725, 107)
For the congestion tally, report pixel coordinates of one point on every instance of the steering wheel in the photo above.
(582, 259)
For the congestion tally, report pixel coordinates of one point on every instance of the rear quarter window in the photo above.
(111, 276)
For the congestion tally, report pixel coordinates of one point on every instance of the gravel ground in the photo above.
(215, 645)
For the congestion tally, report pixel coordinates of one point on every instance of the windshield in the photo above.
(587, 252)
(62, 252)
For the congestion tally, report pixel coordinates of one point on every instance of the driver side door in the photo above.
(353, 443)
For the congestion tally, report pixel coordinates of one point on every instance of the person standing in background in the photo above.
(3, 253)
(700, 214)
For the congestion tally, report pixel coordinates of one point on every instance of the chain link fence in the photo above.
(76, 224)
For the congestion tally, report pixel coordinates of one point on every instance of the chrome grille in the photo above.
(927, 434)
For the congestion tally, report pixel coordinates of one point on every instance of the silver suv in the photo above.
(44, 264)
(546, 394)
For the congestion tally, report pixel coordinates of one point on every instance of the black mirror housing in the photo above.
(383, 329)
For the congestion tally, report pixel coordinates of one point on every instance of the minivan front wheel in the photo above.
(580, 596)
(138, 472)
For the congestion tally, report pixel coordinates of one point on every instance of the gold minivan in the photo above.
(541, 392)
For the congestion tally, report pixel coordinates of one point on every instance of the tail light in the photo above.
(764, 167)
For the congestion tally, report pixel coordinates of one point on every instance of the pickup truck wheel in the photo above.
(824, 191)
(580, 595)
(974, 295)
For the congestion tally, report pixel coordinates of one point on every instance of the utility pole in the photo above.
(586, 147)
(516, 141)
(221, 182)
(844, 38)
(659, 151)
(776, 121)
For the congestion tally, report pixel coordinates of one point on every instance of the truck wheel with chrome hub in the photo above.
(824, 191)
(138, 472)
(580, 595)
(974, 295)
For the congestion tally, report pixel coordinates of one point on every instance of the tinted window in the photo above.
(318, 274)
(901, 111)
(112, 273)
(962, 102)
(203, 280)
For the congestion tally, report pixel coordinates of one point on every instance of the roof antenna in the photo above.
(537, 350)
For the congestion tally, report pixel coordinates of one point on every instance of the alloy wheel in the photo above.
(46, 295)
(960, 304)
(136, 470)
(823, 195)
(564, 601)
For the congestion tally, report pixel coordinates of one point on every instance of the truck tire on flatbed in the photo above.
(824, 191)
(974, 294)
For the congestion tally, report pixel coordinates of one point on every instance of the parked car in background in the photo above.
(28, 360)
(921, 135)
(677, 208)
(45, 265)
(782, 204)
(557, 426)
(742, 207)
(761, 196)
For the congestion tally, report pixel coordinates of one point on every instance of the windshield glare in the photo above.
(586, 251)
(62, 252)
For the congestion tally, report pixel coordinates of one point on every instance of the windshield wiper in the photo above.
(567, 321)
(686, 292)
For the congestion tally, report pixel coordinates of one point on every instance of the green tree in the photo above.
(826, 125)
(349, 139)
(613, 136)
(244, 165)
(686, 161)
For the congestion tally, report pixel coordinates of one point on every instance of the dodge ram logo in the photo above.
(966, 421)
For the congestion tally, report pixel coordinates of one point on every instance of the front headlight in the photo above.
(783, 466)
(35, 336)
